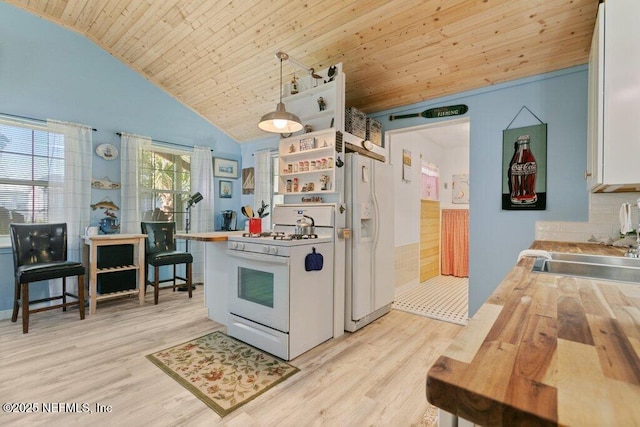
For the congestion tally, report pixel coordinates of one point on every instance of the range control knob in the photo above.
(273, 250)
(265, 249)
(233, 245)
(241, 246)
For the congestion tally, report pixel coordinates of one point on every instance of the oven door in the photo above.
(259, 288)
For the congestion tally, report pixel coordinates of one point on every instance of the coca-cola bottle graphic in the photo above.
(513, 158)
(522, 173)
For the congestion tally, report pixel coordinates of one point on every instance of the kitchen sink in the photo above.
(595, 259)
(591, 266)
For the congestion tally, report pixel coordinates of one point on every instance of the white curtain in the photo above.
(202, 214)
(131, 153)
(70, 192)
(264, 186)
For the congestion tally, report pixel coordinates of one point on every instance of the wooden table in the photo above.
(546, 349)
(210, 236)
(90, 259)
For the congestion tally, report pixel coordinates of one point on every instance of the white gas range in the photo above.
(280, 296)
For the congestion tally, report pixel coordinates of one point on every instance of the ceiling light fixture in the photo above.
(280, 121)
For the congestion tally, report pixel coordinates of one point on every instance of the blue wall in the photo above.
(496, 236)
(48, 72)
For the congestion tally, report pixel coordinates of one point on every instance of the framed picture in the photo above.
(225, 168)
(226, 189)
(406, 165)
(460, 189)
(307, 143)
(524, 168)
(248, 181)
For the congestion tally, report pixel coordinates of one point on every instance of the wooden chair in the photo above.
(161, 250)
(40, 253)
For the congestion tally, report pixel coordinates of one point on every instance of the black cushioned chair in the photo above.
(40, 253)
(161, 250)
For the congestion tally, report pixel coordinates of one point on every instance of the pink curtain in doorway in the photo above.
(455, 242)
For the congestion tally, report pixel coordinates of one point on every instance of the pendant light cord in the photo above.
(280, 79)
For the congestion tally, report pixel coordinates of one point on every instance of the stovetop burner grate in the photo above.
(280, 235)
(273, 234)
(295, 236)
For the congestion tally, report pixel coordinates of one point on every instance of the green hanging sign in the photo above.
(436, 113)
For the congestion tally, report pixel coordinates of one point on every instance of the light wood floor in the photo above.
(375, 376)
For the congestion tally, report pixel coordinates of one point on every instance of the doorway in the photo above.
(444, 145)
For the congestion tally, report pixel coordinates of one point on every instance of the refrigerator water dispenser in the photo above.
(366, 211)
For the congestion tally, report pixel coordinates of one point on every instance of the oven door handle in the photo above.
(252, 256)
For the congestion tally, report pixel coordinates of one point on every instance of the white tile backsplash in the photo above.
(604, 209)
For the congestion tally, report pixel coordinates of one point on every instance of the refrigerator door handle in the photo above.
(365, 174)
(376, 235)
(376, 212)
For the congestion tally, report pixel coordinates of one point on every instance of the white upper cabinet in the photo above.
(595, 114)
(613, 156)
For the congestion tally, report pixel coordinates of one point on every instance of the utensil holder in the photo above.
(255, 225)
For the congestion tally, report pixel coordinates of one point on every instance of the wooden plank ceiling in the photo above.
(218, 57)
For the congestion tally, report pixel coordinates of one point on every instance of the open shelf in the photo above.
(114, 269)
(303, 153)
(324, 87)
(301, 169)
(134, 262)
(117, 294)
(326, 171)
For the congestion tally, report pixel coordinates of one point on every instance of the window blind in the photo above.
(29, 157)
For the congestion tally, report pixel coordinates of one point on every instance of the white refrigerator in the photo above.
(369, 283)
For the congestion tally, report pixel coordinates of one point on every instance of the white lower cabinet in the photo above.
(446, 419)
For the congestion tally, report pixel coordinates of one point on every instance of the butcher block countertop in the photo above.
(546, 349)
(212, 236)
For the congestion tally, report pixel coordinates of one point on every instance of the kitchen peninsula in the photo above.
(546, 349)
(215, 270)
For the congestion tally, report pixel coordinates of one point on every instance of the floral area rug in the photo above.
(222, 372)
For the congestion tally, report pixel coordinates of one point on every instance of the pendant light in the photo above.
(280, 121)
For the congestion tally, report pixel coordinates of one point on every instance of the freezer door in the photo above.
(384, 236)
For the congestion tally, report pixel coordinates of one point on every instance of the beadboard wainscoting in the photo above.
(407, 264)
(604, 209)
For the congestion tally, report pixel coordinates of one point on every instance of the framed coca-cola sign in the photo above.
(524, 168)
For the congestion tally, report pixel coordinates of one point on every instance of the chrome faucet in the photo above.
(638, 229)
(635, 252)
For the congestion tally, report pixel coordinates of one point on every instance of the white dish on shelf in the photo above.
(107, 151)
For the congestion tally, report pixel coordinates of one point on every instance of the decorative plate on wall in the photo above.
(104, 183)
(107, 151)
(460, 189)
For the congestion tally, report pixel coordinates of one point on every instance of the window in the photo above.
(165, 184)
(30, 157)
(276, 199)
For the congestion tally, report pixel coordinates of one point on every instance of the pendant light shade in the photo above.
(280, 121)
